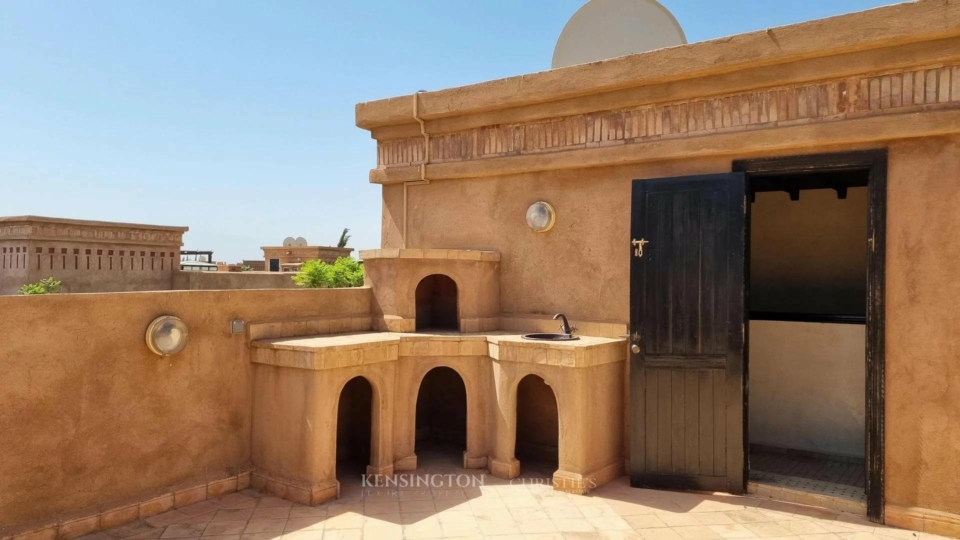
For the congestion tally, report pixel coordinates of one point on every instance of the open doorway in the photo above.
(436, 302)
(814, 236)
(538, 428)
(354, 424)
(441, 419)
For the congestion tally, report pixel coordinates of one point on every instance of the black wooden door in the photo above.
(687, 333)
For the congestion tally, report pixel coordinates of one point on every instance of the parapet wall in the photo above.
(93, 420)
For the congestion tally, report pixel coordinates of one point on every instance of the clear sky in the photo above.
(236, 117)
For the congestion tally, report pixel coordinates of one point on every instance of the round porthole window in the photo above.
(541, 216)
(166, 335)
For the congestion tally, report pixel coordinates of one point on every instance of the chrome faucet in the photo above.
(565, 326)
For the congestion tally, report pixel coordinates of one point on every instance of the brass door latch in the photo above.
(638, 247)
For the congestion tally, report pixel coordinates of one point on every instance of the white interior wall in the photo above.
(807, 386)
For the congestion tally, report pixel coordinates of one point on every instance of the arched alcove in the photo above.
(354, 425)
(436, 301)
(441, 417)
(538, 427)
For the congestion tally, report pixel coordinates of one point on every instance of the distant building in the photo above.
(197, 261)
(87, 256)
(289, 258)
(256, 265)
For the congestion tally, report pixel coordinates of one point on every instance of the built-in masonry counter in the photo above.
(302, 377)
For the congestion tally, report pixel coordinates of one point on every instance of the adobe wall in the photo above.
(581, 268)
(88, 256)
(93, 419)
(923, 325)
(190, 281)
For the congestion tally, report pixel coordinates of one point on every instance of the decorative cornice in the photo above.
(889, 26)
(438, 254)
(931, 87)
(65, 230)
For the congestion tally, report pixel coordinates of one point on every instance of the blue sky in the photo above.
(236, 117)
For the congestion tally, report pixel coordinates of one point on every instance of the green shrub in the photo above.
(346, 272)
(245, 268)
(44, 286)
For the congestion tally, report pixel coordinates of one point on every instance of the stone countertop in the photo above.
(340, 350)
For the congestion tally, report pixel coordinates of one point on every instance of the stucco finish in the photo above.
(298, 383)
(396, 274)
(807, 386)
(88, 256)
(923, 322)
(190, 281)
(93, 418)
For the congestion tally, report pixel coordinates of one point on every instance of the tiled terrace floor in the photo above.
(500, 509)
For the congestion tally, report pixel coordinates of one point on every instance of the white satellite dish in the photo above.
(289, 242)
(300, 241)
(603, 29)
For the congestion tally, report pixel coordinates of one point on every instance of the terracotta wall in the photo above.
(581, 268)
(86, 267)
(90, 418)
(923, 325)
(191, 281)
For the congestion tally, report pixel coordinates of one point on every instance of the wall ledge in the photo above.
(72, 527)
(922, 520)
(436, 254)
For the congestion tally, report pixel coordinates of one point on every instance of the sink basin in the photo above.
(551, 337)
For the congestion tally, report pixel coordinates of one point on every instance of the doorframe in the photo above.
(875, 162)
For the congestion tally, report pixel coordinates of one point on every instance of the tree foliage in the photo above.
(346, 272)
(344, 238)
(44, 286)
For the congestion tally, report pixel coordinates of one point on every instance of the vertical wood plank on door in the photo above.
(651, 430)
(691, 409)
(678, 450)
(720, 423)
(707, 449)
(664, 424)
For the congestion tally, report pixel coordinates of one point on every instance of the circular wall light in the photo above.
(167, 335)
(541, 216)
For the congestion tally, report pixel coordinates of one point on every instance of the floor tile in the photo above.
(768, 530)
(224, 528)
(713, 518)
(696, 532)
(181, 530)
(272, 512)
(645, 521)
(536, 526)
(313, 523)
(732, 530)
(573, 525)
(265, 525)
(232, 515)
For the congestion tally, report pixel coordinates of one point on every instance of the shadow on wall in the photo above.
(436, 299)
(538, 426)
